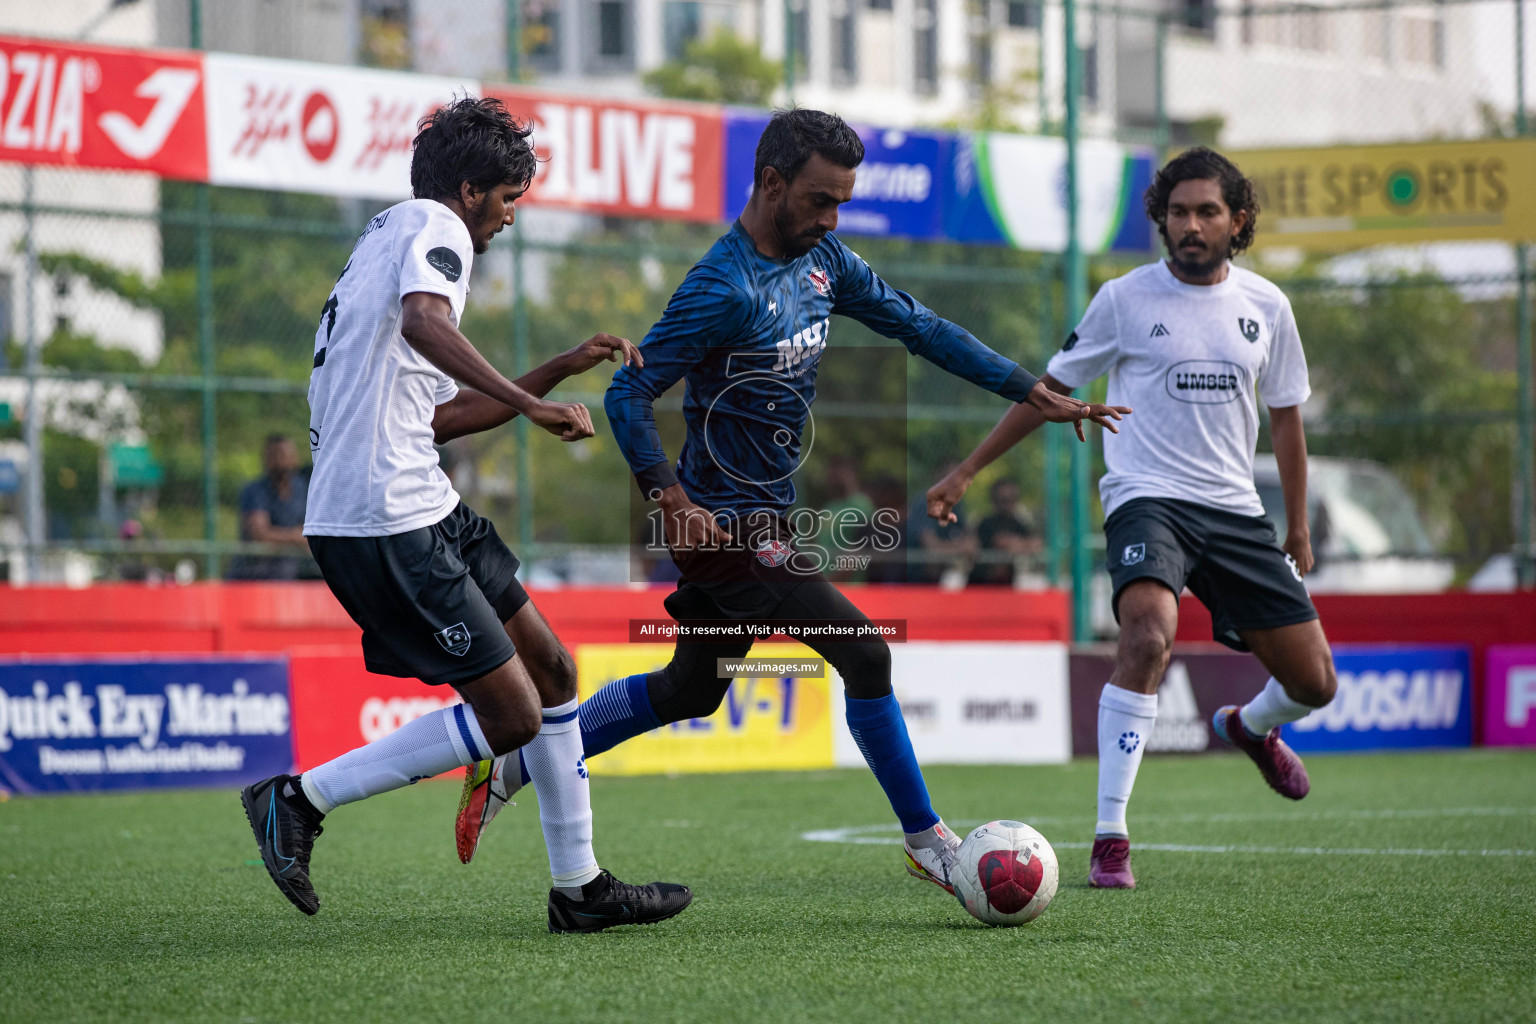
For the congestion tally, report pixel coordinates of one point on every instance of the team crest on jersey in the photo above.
(773, 553)
(454, 639)
(820, 280)
(1250, 329)
(1133, 554)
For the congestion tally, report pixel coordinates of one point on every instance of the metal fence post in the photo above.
(520, 367)
(789, 53)
(1055, 536)
(37, 534)
(514, 40)
(1525, 561)
(1160, 85)
(204, 236)
(1076, 274)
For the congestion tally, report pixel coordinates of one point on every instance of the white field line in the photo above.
(887, 835)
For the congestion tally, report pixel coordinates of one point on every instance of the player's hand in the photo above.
(603, 348)
(946, 494)
(1066, 409)
(569, 421)
(688, 526)
(1298, 544)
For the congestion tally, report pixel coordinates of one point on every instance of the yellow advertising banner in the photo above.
(1350, 197)
(762, 724)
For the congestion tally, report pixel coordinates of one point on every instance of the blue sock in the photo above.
(619, 711)
(881, 734)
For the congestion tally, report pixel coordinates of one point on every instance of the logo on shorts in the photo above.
(581, 767)
(1133, 553)
(1129, 741)
(774, 553)
(1295, 569)
(1250, 329)
(454, 639)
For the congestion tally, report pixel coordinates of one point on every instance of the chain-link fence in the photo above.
(166, 331)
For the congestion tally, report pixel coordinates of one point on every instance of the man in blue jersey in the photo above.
(747, 329)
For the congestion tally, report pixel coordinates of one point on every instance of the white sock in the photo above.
(559, 776)
(1271, 708)
(1125, 724)
(419, 749)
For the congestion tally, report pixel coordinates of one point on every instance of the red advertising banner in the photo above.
(98, 106)
(652, 159)
(338, 704)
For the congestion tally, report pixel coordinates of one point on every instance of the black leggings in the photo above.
(689, 687)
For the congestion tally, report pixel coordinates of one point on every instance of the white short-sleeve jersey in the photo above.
(1192, 361)
(372, 396)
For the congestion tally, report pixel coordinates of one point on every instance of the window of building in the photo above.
(541, 34)
(1197, 17)
(1090, 65)
(881, 5)
(979, 19)
(384, 34)
(800, 20)
(1023, 14)
(680, 21)
(925, 46)
(612, 28)
(845, 42)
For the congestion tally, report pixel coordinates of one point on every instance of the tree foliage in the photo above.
(719, 68)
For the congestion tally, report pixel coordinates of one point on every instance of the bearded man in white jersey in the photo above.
(431, 584)
(1191, 343)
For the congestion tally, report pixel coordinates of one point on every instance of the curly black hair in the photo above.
(473, 140)
(793, 135)
(1204, 164)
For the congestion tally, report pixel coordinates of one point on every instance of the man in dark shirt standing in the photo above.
(1005, 531)
(272, 512)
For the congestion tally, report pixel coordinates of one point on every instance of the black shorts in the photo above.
(750, 577)
(431, 601)
(1231, 562)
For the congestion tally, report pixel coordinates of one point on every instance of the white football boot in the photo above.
(933, 859)
(488, 787)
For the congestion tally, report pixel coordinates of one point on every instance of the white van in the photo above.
(1366, 533)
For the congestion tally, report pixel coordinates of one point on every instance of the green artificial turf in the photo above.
(152, 907)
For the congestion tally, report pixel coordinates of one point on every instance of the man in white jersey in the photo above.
(1191, 343)
(431, 584)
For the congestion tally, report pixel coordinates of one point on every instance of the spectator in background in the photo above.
(946, 549)
(845, 498)
(888, 564)
(1007, 531)
(272, 512)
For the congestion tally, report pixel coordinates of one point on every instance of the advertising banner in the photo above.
(899, 189)
(1509, 701)
(103, 107)
(1389, 697)
(651, 159)
(71, 725)
(1355, 196)
(282, 124)
(976, 703)
(762, 724)
(1011, 190)
(1195, 685)
(1392, 697)
(339, 705)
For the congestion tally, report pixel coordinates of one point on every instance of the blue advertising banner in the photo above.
(1392, 697)
(990, 188)
(899, 189)
(76, 725)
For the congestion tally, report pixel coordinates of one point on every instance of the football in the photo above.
(1005, 873)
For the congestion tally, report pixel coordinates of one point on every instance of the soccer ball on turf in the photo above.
(1005, 873)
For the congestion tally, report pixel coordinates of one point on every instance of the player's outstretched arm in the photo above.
(1290, 442)
(1048, 401)
(427, 326)
(471, 411)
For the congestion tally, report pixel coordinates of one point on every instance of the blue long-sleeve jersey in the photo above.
(748, 333)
